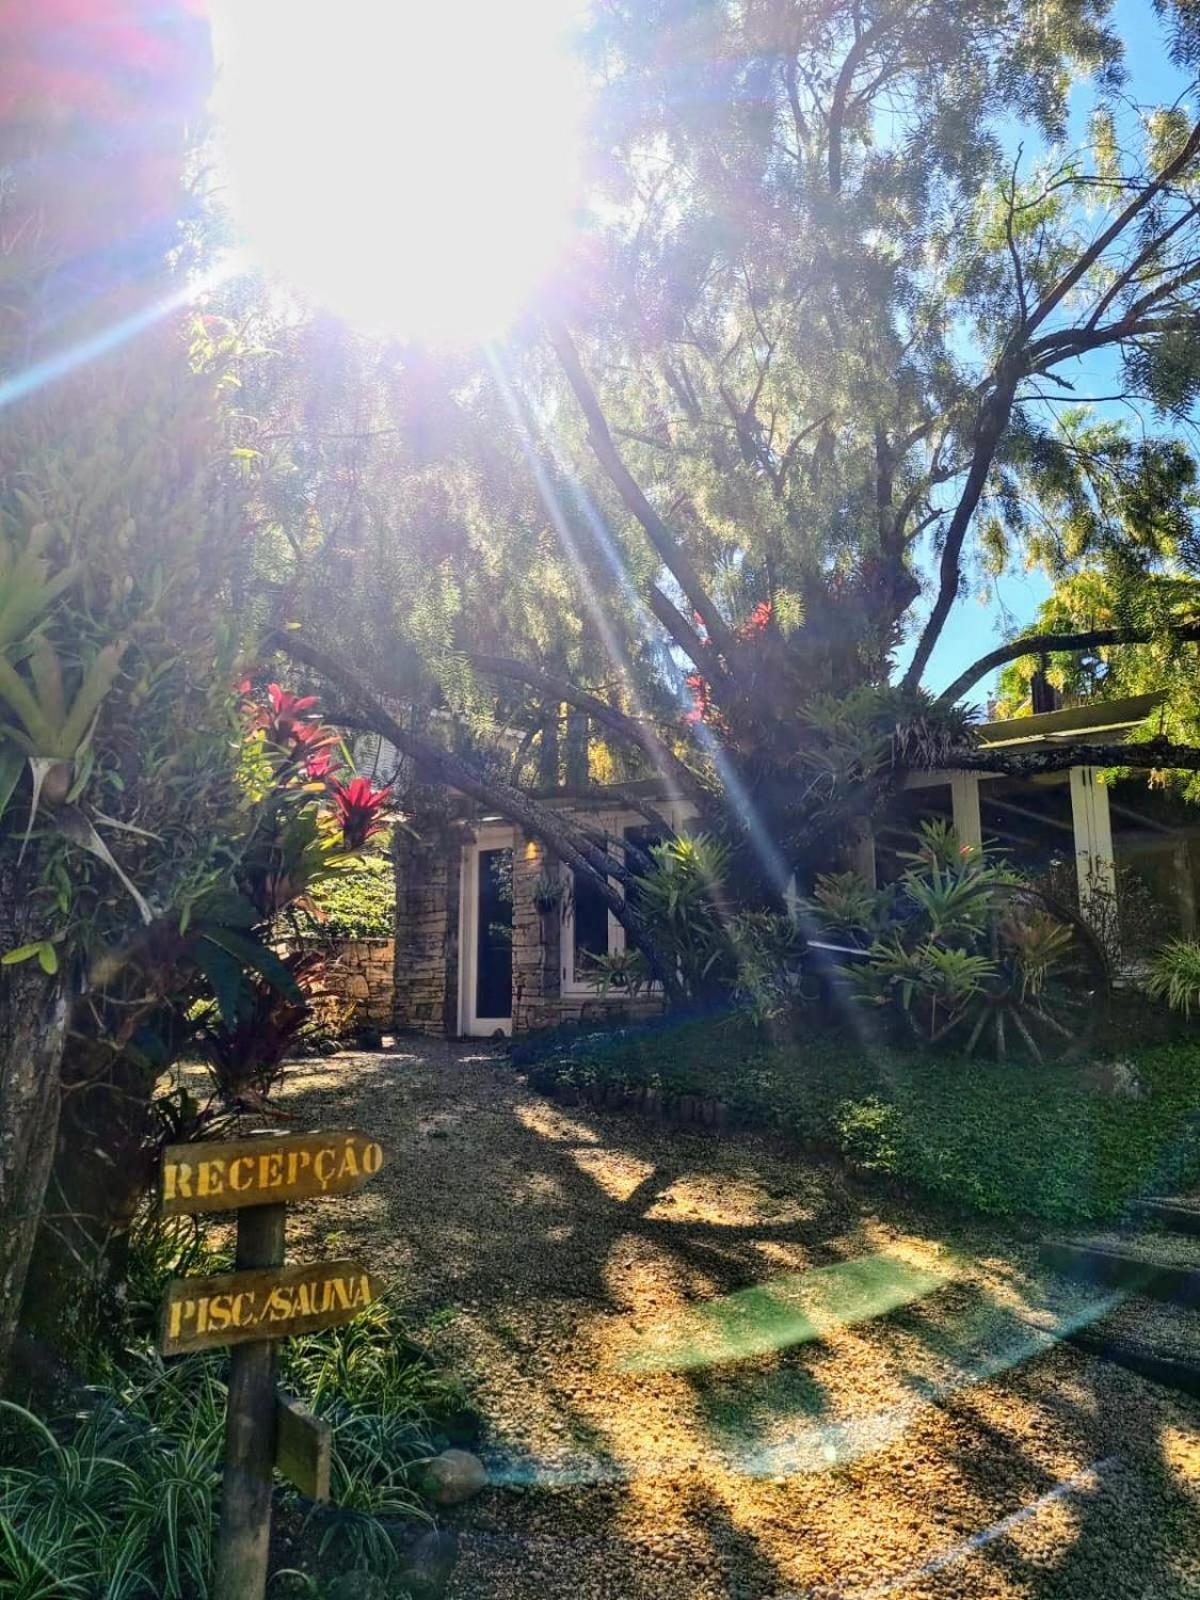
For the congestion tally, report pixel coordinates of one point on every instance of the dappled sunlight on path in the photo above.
(713, 1370)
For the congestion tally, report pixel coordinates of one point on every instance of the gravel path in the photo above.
(712, 1370)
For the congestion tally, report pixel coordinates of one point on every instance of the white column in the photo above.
(1093, 836)
(964, 799)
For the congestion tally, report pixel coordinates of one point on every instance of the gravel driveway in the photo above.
(712, 1370)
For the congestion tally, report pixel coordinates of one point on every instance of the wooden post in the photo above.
(245, 1535)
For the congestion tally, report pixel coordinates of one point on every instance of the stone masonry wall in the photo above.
(535, 941)
(426, 953)
(363, 974)
(428, 873)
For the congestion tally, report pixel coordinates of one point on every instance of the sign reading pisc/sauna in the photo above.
(261, 1172)
(275, 1303)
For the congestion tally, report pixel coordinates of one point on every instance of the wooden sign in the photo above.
(303, 1447)
(267, 1171)
(275, 1303)
(261, 1302)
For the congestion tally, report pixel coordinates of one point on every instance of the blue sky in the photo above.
(978, 625)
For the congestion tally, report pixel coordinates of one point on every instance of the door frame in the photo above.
(492, 836)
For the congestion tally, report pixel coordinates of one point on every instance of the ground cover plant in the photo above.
(1007, 1138)
(112, 1489)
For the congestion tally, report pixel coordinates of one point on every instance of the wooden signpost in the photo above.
(252, 1307)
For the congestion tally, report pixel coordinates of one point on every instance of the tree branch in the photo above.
(442, 766)
(1115, 229)
(841, 93)
(1044, 643)
(994, 419)
(671, 768)
(669, 550)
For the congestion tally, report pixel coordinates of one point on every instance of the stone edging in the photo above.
(685, 1109)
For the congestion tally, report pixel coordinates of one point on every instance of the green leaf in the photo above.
(225, 975)
(23, 952)
(47, 958)
(259, 958)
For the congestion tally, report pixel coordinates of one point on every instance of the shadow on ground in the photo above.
(712, 1370)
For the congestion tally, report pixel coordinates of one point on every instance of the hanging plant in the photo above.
(549, 892)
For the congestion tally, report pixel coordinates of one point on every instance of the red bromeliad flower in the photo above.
(320, 766)
(291, 724)
(358, 806)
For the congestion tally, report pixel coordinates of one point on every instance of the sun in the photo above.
(412, 168)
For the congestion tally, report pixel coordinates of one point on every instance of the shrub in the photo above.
(359, 902)
(717, 953)
(120, 1497)
(962, 954)
(1175, 975)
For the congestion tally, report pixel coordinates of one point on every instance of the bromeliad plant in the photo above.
(308, 825)
(720, 954)
(961, 951)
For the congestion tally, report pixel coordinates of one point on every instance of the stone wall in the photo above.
(535, 941)
(361, 973)
(425, 987)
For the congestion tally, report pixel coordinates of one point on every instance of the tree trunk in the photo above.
(33, 1026)
(102, 1168)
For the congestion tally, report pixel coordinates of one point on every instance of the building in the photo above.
(493, 937)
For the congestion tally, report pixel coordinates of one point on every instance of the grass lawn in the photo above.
(1004, 1139)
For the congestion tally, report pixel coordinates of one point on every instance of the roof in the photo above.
(1096, 722)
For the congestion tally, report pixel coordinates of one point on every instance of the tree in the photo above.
(118, 535)
(805, 387)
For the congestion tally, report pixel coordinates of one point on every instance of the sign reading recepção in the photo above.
(225, 1177)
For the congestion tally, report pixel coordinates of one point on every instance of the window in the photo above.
(589, 927)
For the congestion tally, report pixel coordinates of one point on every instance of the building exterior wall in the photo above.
(426, 955)
(425, 986)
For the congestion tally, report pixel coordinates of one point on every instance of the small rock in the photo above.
(429, 1564)
(454, 1476)
(1117, 1079)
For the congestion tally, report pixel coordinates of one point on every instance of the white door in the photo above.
(485, 934)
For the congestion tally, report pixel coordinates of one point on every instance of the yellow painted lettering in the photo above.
(177, 1180)
(279, 1305)
(219, 1311)
(341, 1293)
(323, 1166)
(372, 1159)
(349, 1166)
(202, 1315)
(270, 1170)
(211, 1176)
(302, 1305)
(176, 1321)
(241, 1316)
(235, 1167)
